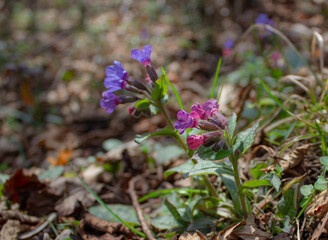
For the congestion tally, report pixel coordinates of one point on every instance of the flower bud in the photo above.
(136, 83)
(127, 99)
(151, 73)
(133, 89)
(212, 137)
(135, 112)
(207, 126)
(218, 119)
(219, 145)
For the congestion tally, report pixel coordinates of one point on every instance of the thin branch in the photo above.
(136, 205)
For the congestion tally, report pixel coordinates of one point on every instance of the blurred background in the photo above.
(53, 56)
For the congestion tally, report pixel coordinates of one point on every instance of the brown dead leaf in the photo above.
(294, 158)
(251, 231)
(193, 236)
(319, 205)
(10, 230)
(63, 157)
(226, 234)
(31, 194)
(92, 228)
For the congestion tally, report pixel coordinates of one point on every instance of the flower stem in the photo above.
(207, 182)
(238, 183)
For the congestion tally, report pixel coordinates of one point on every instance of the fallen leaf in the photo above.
(10, 230)
(251, 231)
(294, 158)
(319, 206)
(63, 157)
(193, 236)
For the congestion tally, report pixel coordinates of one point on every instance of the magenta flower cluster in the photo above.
(117, 78)
(205, 117)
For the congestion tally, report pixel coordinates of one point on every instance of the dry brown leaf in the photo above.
(10, 230)
(193, 236)
(251, 231)
(226, 234)
(293, 159)
(319, 205)
(64, 156)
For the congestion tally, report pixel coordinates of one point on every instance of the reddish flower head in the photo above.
(195, 141)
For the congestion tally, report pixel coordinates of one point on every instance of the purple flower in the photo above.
(198, 112)
(228, 44)
(142, 56)
(116, 77)
(209, 106)
(195, 141)
(109, 101)
(185, 120)
(264, 19)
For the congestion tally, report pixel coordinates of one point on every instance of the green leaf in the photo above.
(160, 89)
(126, 212)
(183, 168)
(111, 144)
(208, 153)
(274, 180)
(173, 89)
(142, 104)
(174, 211)
(256, 183)
(168, 131)
(321, 183)
(166, 153)
(208, 167)
(256, 170)
(307, 190)
(286, 204)
(216, 77)
(229, 182)
(53, 172)
(232, 121)
(245, 139)
(324, 161)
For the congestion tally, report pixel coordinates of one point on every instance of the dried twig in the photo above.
(136, 205)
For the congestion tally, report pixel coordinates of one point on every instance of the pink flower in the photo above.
(185, 120)
(198, 112)
(209, 106)
(195, 141)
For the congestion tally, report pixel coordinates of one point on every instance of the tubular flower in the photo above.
(195, 141)
(264, 19)
(198, 112)
(209, 106)
(227, 46)
(116, 77)
(142, 56)
(185, 120)
(109, 101)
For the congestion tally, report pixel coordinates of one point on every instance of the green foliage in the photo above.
(53, 172)
(111, 144)
(232, 121)
(168, 131)
(207, 153)
(245, 139)
(160, 89)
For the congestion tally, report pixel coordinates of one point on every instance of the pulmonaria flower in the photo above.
(227, 46)
(264, 19)
(209, 106)
(109, 101)
(185, 120)
(142, 56)
(198, 112)
(195, 141)
(116, 77)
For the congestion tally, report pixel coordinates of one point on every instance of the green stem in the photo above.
(207, 182)
(234, 161)
(238, 183)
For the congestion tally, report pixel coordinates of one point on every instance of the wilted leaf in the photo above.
(251, 231)
(319, 206)
(293, 159)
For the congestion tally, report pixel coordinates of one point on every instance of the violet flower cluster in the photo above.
(206, 117)
(117, 78)
(227, 47)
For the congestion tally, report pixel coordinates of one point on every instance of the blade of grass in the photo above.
(282, 106)
(295, 140)
(103, 204)
(216, 78)
(323, 139)
(173, 89)
(184, 191)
